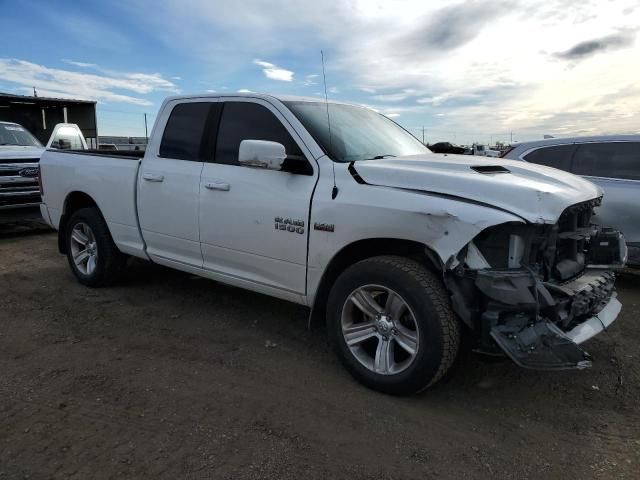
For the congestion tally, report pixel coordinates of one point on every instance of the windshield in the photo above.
(357, 133)
(12, 134)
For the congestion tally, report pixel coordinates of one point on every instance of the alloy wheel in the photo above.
(84, 248)
(380, 329)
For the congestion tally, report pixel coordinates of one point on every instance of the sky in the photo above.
(470, 71)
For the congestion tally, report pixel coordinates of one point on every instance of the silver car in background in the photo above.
(612, 162)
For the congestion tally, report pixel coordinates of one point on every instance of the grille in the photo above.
(17, 189)
(574, 230)
(594, 297)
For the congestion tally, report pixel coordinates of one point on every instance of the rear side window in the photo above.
(249, 121)
(182, 138)
(612, 160)
(558, 156)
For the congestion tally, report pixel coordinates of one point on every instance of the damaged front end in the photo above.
(536, 291)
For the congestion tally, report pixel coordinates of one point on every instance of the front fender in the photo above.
(445, 225)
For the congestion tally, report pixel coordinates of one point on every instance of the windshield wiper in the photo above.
(380, 157)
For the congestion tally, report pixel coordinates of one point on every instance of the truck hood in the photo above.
(19, 151)
(535, 193)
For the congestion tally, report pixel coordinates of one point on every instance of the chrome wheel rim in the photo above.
(84, 248)
(380, 329)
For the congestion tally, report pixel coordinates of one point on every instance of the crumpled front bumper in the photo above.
(598, 323)
(540, 325)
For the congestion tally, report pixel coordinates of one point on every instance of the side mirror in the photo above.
(261, 154)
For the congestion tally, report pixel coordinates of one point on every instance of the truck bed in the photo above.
(109, 181)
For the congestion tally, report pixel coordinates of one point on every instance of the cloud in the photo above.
(310, 80)
(452, 26)
(475, 62)
(397, 96)
(273, 72)
(597, 45)
(79, 64)
(438, 100)
(176, 78)
(245, 90)
(106, 86)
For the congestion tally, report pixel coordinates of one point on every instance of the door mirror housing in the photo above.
(261, 154)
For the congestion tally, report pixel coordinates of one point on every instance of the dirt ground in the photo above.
(171, 376)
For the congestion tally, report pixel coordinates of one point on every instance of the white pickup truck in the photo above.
(484, 151)
(336, 207)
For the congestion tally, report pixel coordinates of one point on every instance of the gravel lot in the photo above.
(171, 376)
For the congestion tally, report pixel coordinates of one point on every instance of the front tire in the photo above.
(93, 257)
(392, 325)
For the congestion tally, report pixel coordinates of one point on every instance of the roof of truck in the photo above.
(263, 96)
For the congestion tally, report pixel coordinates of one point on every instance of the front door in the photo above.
(254, 222)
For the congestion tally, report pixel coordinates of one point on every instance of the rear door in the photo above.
(615, 166)
(169, 183)
(254, 222)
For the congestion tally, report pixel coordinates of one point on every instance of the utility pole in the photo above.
(423, 135)
(146, 133)
(511, 137)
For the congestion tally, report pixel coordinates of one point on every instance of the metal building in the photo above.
(40, 115)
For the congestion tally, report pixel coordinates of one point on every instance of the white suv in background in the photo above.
(612, 162)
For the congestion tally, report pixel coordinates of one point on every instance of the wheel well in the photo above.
(74, 201)
(363, 249)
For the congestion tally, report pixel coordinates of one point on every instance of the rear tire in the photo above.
(93, 256)
(391, 322)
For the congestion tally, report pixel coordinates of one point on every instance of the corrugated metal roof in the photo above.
(30, 98)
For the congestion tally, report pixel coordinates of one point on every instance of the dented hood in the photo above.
(536, 193)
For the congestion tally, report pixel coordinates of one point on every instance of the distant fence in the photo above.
(124, 143)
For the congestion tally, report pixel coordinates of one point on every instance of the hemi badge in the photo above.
(325, 227)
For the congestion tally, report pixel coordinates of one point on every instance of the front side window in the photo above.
(13, 134)
(182, 138)
(356, 133)
(558, 156)
(249, 121)
(612, 160)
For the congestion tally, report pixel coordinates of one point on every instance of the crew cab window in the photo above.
(612, 160)
(558, 156)
(182, 137)
(250, 121)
